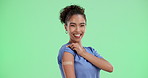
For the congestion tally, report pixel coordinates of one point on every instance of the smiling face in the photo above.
(76, 26)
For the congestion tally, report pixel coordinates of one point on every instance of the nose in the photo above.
(77, 28)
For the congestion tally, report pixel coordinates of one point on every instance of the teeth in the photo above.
(77, 34)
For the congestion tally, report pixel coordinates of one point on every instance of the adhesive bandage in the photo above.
(67, 63)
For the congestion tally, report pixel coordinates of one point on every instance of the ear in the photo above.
(65, 26)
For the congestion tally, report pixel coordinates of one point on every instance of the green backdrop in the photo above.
(31, 35)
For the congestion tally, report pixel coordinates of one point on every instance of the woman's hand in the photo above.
(79, 49)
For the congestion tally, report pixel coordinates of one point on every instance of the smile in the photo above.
(77, 35)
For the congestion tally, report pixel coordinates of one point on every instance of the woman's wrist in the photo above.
(84, 53)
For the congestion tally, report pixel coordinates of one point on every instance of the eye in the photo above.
(82, 25)
(72, 25)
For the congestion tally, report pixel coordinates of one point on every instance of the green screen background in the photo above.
(31, 35)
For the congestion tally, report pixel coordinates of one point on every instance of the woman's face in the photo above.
(76, 26)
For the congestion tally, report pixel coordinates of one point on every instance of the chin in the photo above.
(77, 40)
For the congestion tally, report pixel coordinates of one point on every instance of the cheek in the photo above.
(71, 29)
(83, 29)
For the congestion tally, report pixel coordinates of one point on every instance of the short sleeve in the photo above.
(95, 52)
(61, 52)
(67, 49)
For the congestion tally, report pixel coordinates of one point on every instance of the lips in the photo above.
(77, 35)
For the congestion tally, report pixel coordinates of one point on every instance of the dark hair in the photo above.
(68, 11)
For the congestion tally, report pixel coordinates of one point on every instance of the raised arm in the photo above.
(98, 62)
(68, 65)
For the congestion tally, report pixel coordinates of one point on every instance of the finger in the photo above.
(73, 44)
(73, 48)
(68, 45)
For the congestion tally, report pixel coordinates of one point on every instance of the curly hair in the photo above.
(68, 11)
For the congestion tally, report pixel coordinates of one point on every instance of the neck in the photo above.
(76, 42)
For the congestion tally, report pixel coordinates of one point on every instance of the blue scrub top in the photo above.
(83, 68)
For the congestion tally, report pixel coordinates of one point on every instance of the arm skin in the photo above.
(69, 71)
(98, 62)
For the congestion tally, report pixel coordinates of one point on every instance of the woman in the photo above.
(76, 61)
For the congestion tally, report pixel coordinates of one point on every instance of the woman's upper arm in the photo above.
(68, 65)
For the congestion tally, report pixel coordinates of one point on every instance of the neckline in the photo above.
(70, 43)
(83, 47)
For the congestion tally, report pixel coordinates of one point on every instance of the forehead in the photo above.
(77, 19)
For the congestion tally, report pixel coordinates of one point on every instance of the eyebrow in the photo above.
(72, 23)
(83, 23)
(75, 23)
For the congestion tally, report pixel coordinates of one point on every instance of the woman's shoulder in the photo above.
(66, 49)
(90, 48)
(94, 52)
(64, 46)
